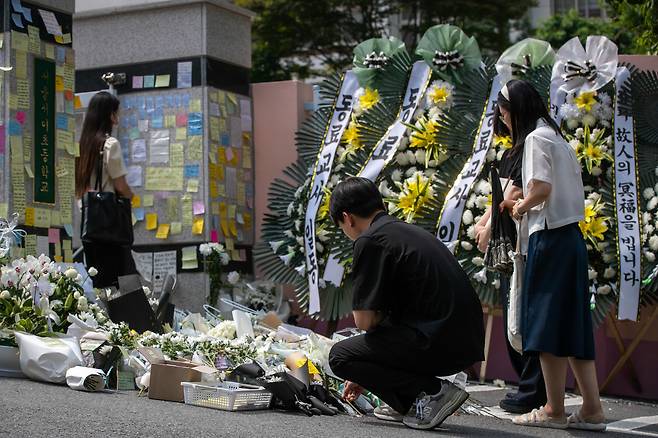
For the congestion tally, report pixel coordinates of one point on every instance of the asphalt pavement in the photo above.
(33, 409)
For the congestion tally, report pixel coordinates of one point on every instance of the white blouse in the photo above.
(113, 166)
(549, 158)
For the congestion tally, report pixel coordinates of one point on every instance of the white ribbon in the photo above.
(388, 145)
(626, 202)
(385, 149)
(339, 121)
(453, 207)
(579, 69)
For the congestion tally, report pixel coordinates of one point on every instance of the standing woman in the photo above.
(556, 320)
(96, 142)
(532, 391)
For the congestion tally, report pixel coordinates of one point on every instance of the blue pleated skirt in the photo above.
(556, 315)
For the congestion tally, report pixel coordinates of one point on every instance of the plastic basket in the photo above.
(227, 396)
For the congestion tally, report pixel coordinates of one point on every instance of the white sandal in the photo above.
(539, 418)
(575, 421)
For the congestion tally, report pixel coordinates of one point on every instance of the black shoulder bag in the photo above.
(500, 250)
(106, 216)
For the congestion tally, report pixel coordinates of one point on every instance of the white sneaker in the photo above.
(387, 413)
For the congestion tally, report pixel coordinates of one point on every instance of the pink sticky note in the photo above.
(181, 120)
(138, 81)
(213, 236)
(20, 117)
(199, 208)
(53, 235)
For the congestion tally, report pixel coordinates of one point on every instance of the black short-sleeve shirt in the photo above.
(409, 275)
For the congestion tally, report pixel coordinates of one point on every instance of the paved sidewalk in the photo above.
(30, 409)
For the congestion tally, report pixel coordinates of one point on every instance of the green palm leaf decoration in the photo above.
(382, 64)
(449, 51)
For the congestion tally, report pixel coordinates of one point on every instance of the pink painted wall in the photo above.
(278, 113)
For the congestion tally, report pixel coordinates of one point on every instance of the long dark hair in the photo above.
(525, 106)
(95, 129)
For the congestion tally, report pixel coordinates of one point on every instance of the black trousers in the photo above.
(532, 390)
(391, 363)
(111, 261)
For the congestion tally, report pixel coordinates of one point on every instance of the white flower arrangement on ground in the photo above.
(215, 256)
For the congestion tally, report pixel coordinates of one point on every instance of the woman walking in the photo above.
(556, 321)
(96, 143)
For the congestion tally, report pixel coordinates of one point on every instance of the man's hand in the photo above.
(507, 204)
(352, 391)
(482, 236)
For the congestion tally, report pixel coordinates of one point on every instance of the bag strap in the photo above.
(99, 170)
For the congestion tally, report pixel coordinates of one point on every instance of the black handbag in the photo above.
(500, 251)
(106, 216)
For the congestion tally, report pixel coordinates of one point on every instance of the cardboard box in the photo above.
(167, 375)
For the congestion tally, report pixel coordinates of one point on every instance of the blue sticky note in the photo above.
(170, 100)
(18, 20)
(191, 171)
(159, 102)
(150, 104)
(139, 213)
(62, 121)
(133, 120)
(69, 229)
(157, 121)
(60, 54)
(195, 124)
(27, 14)
(141, 102)
(149, 81)
(15, 128)
(186, 100)
(226, 140)
(177, 100)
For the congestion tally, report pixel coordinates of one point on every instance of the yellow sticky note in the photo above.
(189, 258)
(193, 185)
(41, 218)
(136, 201)
(59, 83)
(176, 228)
(176, 154)
(195, 105)
(170, 121)
(161, 81)
(181, 133)
(197, 225)
(224, 226)
(29, 216)
(194, 148)
(151, 221)
(229, 244)
(20, 69)
(147, 200)
(163, 231)
(50, 51)
(232, 227)
(19, 41)
(4, 209)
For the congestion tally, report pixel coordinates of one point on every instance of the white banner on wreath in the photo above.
(339, 121)
(385, 149)
(453, 207)
(388, 145)
(626, 201)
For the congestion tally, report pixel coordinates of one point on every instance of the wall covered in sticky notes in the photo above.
(37, 130)
(162, 138)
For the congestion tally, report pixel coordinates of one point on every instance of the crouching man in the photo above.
(421, 316)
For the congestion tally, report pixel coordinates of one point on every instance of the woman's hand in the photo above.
(507, 204)
(352, 391)
(482, 236)
(518, 211)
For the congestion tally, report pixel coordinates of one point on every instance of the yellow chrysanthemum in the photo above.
(415, 192)
(369, 98)
(593, 226)
(424, 137)
(323, 211)
(439, 95)
(502, 141)
(585, 101)
(592, 150)
(351, 138)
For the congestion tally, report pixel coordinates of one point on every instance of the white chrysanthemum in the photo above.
(71, 273)
(609, 273)
(5, 295)
(396, 175)
(470, 232)
(402, 159)
(404, 142)
(481, 202)
(432, 163)
(569, 111)
(651, 257)
(478, 261)
(580, 132)
(411, 156)
(589, 120)
(499, 154)
(653, 202)
(466, 245)
(596, 171)
(384, 190)
(467, 217)
(420, 156)
(480, 276)
(648, 193)
(470, 202)
(410, 172)
(608, 257)
(653, 243)
(572, 123)
(205, 249)
(592, 274)
(290, 209)
(491, 154)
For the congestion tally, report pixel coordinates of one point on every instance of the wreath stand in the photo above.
(491, 312)
(626, 352)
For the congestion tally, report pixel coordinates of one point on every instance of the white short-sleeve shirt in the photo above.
(549, 158)
(113, 166)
